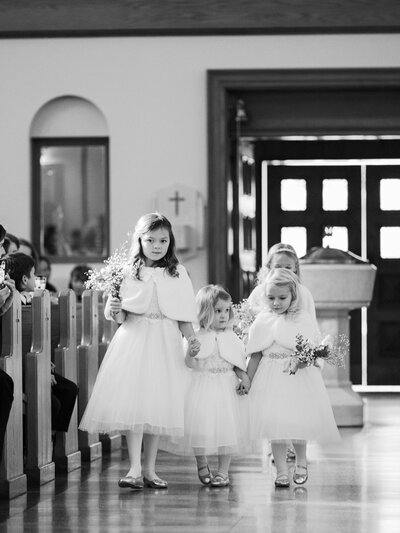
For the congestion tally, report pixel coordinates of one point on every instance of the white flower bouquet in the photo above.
(243, 319)
(109, 278)
(332, 350)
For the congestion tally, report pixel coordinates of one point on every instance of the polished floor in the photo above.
(353, 487)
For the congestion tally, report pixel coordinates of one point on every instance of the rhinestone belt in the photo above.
(154, 316)
(215, 370)
(277, 355)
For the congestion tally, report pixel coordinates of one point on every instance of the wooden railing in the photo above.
(32, 337)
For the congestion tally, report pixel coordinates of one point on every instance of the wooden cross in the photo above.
(177, 199)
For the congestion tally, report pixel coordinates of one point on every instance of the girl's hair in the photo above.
(79, 272)
(145, 224)
(282, 277)
(206, 300)
(279, 248)
(2, 232)
(17, 266)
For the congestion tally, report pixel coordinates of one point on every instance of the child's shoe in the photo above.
(300, 474)
(220, 480)
(204, 474)
(282, 481)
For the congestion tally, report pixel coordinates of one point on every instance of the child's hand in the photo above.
(244, 385)
(193, 346)
(115, 306)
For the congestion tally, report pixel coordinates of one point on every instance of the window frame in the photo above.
(37, 229)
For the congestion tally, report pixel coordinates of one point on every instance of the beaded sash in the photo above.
(277, 355)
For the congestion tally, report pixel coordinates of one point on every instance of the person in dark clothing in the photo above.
(6, 400)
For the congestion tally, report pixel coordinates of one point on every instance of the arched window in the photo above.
(70, 185)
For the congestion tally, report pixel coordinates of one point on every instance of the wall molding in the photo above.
(80, 18)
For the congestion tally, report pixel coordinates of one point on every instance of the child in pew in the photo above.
(7, 290)
(21, 268)
(44, 270)
(214, 413)
(140, 385)
(77, 279)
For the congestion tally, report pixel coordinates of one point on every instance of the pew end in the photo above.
(13, 480)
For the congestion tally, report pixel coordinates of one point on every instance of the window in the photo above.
(297, 237)
(70, 195)
(293, 195)
(390, 194)
(390, 242)
(334, 195)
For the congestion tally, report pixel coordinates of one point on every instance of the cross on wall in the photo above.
(176, 198)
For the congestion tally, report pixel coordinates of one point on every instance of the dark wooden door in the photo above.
(316, 220)
(383, 248)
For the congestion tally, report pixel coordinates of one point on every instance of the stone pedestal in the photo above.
(337, 289)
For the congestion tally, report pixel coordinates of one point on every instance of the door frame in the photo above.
(225, 84)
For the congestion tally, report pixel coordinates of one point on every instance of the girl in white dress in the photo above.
(214, 410)
(286, 407)
(140, 385)
(281, 255)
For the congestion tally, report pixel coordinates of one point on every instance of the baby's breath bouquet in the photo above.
(243, 319)
(330, 349)
(109, 278)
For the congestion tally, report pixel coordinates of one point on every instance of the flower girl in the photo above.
(139, 388)
(214, 410)
(287, 402)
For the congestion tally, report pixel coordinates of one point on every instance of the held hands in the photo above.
(244, 385)
(193, 346)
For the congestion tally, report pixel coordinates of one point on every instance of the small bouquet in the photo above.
(331, 350)
(109, 278)
(243, 319)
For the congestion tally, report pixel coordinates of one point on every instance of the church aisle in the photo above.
(353, 487)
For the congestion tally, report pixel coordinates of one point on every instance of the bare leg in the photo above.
(203, 470)
(300, 474)
(134, 443)
(224, 462)
(279, 452)
(150, 454)
(301, 452)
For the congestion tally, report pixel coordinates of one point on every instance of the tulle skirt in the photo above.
(290, 407)
(142, 380)
(215, 415)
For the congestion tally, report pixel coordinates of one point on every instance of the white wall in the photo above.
(152, 91)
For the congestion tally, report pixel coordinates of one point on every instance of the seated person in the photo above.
(77, 280)
(44, 269)
(11, 243)
(7, 289)
(6, 400)
(27, 248)
(7, 286)
(21, 268)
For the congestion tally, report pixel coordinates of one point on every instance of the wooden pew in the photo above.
(107, 328)
(88, 363)
(40, 467)
(66, 452)
(13, 481)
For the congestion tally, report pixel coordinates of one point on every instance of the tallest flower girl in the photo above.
(140, 389)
